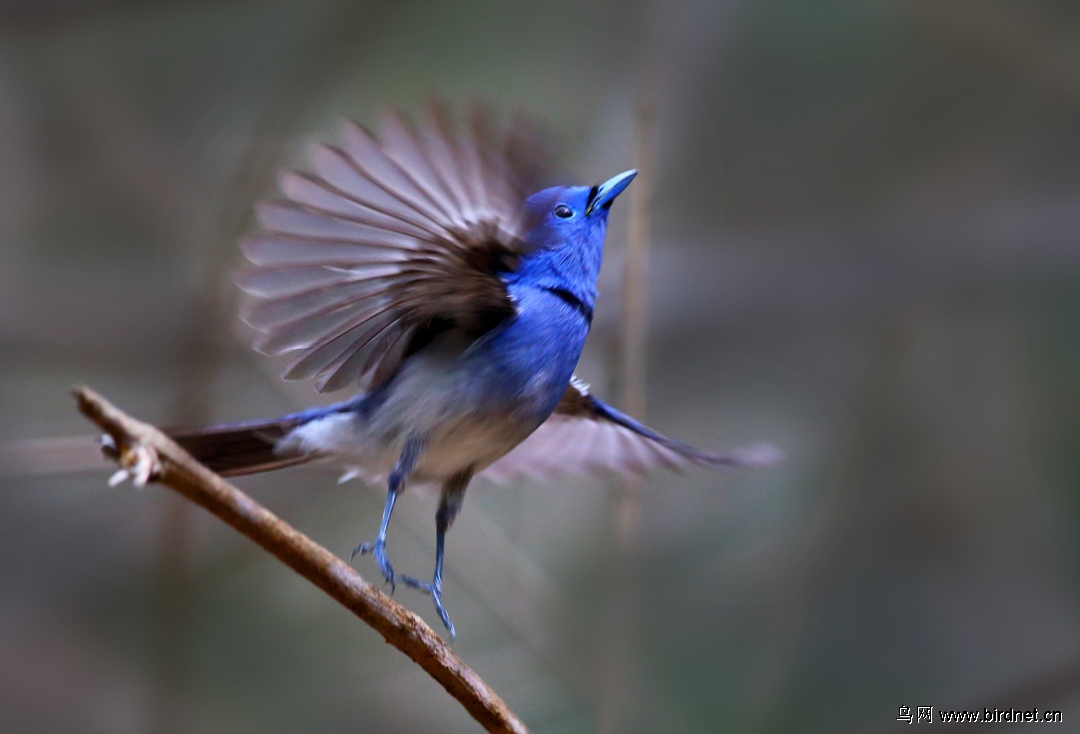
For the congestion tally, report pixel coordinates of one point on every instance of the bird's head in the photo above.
(567, 233)
(563, 213)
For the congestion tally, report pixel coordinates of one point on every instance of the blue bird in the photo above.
(414, 266)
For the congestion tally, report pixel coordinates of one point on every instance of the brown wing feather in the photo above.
(383, 238)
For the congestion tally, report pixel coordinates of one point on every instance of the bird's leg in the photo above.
(453, 493)
(405, 464)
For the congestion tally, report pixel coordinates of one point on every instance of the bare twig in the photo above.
(148, 454)
(618, 658)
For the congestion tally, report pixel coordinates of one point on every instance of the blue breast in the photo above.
(530, 359)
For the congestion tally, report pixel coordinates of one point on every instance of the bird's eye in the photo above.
(562, 211)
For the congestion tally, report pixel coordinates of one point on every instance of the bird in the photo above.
(424, 266)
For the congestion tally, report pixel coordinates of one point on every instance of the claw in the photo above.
(434, 589)
(378, 550)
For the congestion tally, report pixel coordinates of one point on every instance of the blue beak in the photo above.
(607, 191)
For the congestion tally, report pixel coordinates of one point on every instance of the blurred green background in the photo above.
(866, 249)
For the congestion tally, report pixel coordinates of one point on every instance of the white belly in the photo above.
(463, 424)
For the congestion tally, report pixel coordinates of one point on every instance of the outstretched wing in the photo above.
(387, 239)
(585, 436)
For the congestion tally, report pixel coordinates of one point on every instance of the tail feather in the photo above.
(241, 448)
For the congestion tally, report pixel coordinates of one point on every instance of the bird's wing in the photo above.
(585, 436)
(386, 239)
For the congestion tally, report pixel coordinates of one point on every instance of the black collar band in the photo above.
(574, 301)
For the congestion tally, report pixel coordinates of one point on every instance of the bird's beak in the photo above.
(607, 191)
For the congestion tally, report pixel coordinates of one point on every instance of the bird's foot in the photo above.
(378, 550)
(433, 588)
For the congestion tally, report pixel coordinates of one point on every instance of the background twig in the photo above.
(173, 467)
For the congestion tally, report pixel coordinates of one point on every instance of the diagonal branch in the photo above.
(146, 453)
